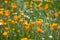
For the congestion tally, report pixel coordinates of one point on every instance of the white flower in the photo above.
(43, 38)
(47, 23)
(55, 19)
(42, 20)
(28, 17)
(50, 36)
(0, 23)
(18, 30)
(14, 34)
(30, 20)
(14, 13)
(22, 13)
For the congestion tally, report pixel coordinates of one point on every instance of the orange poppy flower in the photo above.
(7, 11)
(25, 39)
(32, 23)
(11, 21)
(25, 22)
(6, 28)
(54, 25)
(38, 23)
(39, 29)
(1, 12)
(46, 7)
(6, 14)
(55, 15)
(13, 6)
(3, 23)
(27, 27)
(59, 27)
(47, 14)
(16, 17)
(5, 33)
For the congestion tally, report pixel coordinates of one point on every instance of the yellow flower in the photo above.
(40, 20)
(30, 5)
(21, 21)
(1, 20)
(5, 33)
(26, 3)
(6, 1)
(48, 0)
(47, 14)
(52, 28)
(13, 29)
(31, 2)
(40, 4)
(1, 9)
(59, 12)
(46, 7)
(32, 23)
(25, 39)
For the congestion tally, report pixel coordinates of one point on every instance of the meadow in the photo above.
(29, 19)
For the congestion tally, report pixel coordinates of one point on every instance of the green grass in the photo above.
(20, 31)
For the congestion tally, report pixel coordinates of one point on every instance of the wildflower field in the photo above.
(29, 19)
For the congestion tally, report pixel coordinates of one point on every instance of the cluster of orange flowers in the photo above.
(10, 17)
